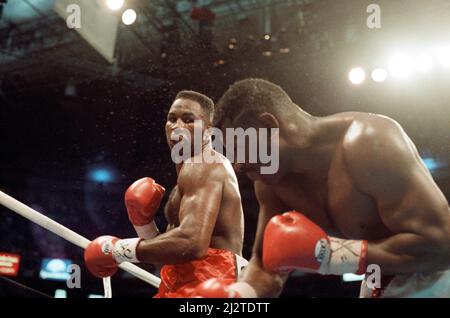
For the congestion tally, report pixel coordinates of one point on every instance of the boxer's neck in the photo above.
(206, 146)
(312, 143)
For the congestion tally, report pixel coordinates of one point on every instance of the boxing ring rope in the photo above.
(73, 237)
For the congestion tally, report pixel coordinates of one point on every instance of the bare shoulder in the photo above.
(371, 134)
(378, 152)
(197, 174)
(372, 127)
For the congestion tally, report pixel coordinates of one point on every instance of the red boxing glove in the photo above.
(103, 254)
(98, 256)
(142, 200)
(216, 288)
(292, 241)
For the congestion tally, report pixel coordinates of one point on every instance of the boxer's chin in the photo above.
(252, 175)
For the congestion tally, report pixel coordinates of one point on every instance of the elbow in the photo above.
(195, 252)
(195, 249)
(445, 252)
(267, 285)
(441, 244)
(445, 247)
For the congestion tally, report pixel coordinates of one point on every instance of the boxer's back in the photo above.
(330, 196)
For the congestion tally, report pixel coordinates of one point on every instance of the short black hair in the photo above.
(205, 102)
(250, 96)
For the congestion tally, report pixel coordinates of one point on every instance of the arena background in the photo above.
(78, 128)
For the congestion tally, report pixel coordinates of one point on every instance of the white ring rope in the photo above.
(73, 237)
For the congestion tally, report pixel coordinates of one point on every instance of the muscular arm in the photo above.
(265, 283)
(171, 207)
(201, 189)
(385, 164)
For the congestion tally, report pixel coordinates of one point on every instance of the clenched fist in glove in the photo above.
(292, 241)
(142, 200)
(103, 254)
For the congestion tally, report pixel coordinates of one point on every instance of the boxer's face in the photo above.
(183, 114)
(264, 142)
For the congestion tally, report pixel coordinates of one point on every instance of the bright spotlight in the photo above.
(357, 75)
(352, 277)
(400, 66)
(379, 75)
(432, 164)
(101, 175)
(129, 16)
(444, 57)
(424, 63)
(114, 4)
(60, 293)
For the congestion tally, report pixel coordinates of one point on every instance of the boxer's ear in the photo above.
(268, 120)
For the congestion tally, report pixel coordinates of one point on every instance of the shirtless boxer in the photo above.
(364, 192)
(205, 230)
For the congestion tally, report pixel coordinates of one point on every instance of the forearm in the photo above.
(267, 285)
(407, 253)
(173, 247)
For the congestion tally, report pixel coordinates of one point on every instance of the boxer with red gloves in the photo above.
(360, 181)
(204, 236)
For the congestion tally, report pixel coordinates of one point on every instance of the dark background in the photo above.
(66, 113)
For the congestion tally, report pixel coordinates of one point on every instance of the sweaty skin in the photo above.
(204, 209)
(358, 176)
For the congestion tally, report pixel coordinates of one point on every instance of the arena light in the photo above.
(444, 56)
(55, 269)
(379, 75)
(101, 175)
(114, 4)
(60, 293)
(432, 164)
(9, 264)
(424, 63)
(129, 17)
(267, 45)
(352, 277)
(400, 66)
(232, 44)
(357, 75)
